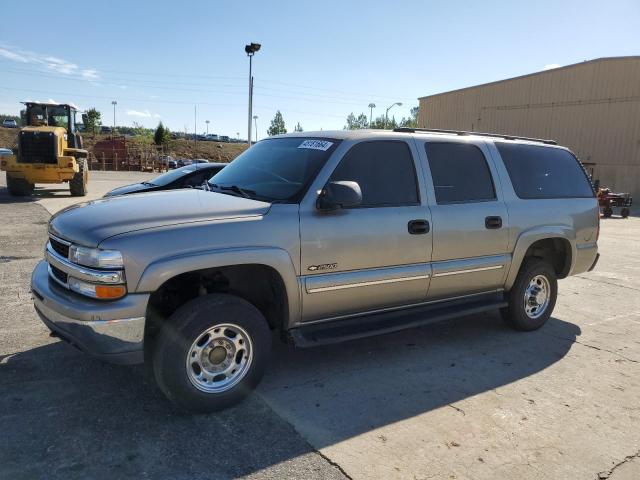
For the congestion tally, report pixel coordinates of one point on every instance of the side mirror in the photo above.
(336, 195)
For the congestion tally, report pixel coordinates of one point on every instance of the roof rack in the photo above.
(481, 134)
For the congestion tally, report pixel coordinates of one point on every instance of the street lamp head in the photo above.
(252, 48)
(372, 105)
(114, 102)
(255, 117)
(399, 104)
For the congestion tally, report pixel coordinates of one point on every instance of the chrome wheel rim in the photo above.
(537, 296)
(219, 358)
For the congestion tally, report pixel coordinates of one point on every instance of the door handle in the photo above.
(493, 222)
(418, 227)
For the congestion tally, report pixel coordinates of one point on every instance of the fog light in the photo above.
(103, 292)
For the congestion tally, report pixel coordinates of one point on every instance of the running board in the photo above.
(336, 331)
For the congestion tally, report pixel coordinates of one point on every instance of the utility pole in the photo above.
(371, 106)
(250, 50)
(255, 120)
(114, 103)
(207, 122)
(195, 128)
(113, 134)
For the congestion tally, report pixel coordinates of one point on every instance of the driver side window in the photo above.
(385, 172)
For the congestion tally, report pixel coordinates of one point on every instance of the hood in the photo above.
(90, 223)
(133, 188)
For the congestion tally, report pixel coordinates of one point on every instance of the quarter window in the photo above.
(384, 170)
(460, 173)
(544, 172)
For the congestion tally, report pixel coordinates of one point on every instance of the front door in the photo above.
(374, 256)
(470, 234)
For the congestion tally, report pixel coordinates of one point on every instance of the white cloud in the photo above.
(551, 66)
(90, 74)
(156, 115)
(138, 113)
(48, 62)
(12, 56)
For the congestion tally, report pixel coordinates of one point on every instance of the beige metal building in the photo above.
(592, 107)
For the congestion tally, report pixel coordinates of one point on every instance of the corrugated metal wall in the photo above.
(591, 107)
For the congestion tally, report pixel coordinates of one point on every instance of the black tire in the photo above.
(185, 326)
(19, 187)
(515, 314)
(625, 212)
(78, 184)
(607, 212)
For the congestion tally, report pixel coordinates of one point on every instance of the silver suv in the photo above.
(322, 237)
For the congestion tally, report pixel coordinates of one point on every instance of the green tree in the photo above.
(412, 121)
(162, 135)
(380, 121)
(277, 125)
(298, 128)
(142, 134)
(92, 120)
(356, 123)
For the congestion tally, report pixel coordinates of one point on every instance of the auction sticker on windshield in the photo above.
(323, 145)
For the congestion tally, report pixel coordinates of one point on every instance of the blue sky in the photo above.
(319, 60)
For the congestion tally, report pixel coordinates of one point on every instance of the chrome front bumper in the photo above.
(110, 330)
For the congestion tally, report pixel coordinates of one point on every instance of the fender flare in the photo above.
(160, 271)
(529, 237)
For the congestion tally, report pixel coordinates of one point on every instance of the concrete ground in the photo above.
(466, 399)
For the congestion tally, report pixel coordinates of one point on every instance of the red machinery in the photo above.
(607, 200)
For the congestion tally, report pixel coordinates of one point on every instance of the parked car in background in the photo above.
(212, 137)
(224, 138)
(5, 151)
(191, 176)
(9, 123)
(182, 162)
(171, 164)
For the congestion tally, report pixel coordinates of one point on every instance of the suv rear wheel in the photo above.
(532, 297)
(78, 184)
(212, 352)
(19, 187)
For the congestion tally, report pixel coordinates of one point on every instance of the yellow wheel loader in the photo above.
(49, 151)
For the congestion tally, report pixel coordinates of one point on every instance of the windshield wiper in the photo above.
(245, 192)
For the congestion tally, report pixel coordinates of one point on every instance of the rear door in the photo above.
(469, 219)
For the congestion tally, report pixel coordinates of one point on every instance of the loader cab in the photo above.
(54, 115)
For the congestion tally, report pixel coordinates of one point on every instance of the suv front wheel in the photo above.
(211, 352)
(532, 297)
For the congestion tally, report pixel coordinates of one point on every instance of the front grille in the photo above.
(58, 274)
(60, 248)
(37, 147)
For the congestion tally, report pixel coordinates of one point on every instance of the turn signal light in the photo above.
(110, 291)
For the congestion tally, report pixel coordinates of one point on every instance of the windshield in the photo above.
(166, 178)
(277, 169)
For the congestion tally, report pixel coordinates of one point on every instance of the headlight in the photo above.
(94, 257)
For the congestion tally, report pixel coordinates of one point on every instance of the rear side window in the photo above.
(460, 173)
(544, 172)
(384, 170)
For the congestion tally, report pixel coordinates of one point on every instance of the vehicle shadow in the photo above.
(69, 416)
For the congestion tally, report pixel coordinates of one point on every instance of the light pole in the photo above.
(386, 114)
(371, 106)
(207, 122)
(114, 103)
(255, 120)
(250, 50)
(238, 135)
